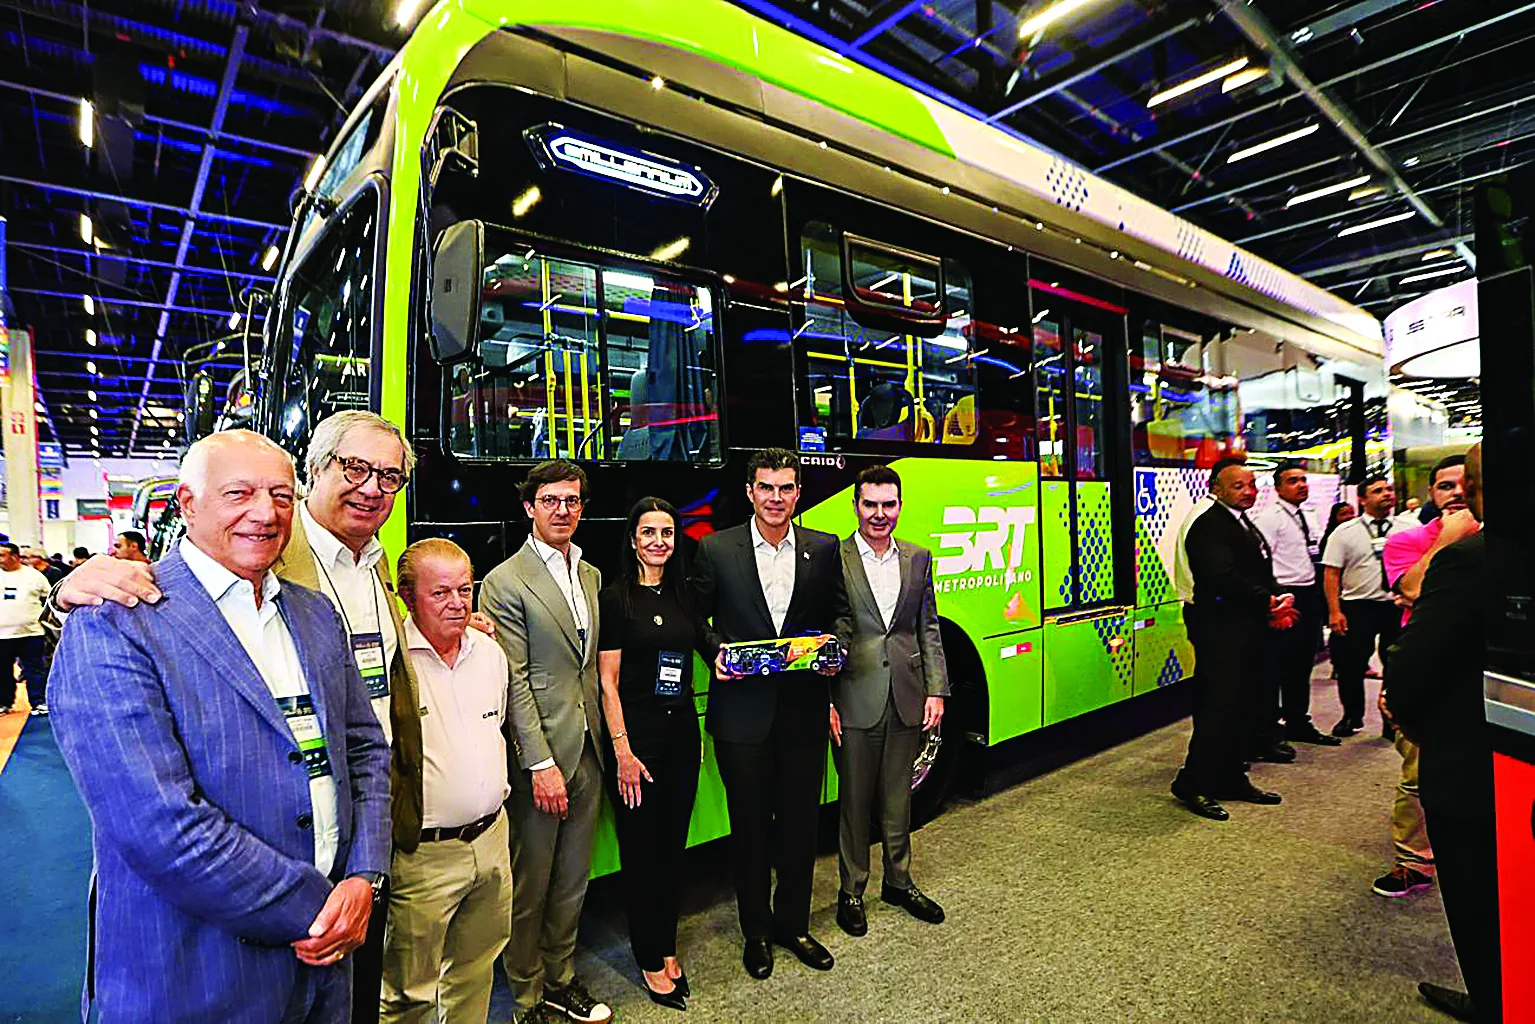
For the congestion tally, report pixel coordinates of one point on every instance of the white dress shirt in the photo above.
(775, 570)
(265, 637)
(353, 586)
(463, 750)
(1280, 524)
(1355, 549)
(567, 576)
(884, 575)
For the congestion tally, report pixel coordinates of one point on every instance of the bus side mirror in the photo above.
(458, 274)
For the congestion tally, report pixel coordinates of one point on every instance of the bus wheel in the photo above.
(934, 771)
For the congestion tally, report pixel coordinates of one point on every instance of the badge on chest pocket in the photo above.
(669, 674)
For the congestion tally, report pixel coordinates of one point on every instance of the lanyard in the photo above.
(341, 605)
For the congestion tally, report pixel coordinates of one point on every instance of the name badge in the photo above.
(669, 674)
(368, 649)
(305, 726)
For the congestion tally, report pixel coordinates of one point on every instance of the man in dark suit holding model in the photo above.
(890, 692)
(1436, 698)
(765, 579)
(1236, 602)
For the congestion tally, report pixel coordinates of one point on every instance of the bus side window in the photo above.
(874, 385)
(581, 361)
(326, 338)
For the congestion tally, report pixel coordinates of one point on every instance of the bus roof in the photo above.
(728, 36)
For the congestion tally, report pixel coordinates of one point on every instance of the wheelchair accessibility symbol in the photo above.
(1145, 492)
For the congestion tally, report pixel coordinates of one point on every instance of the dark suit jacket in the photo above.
(1436, 683)
(1233, 578)
(905, 659)
(728, 592)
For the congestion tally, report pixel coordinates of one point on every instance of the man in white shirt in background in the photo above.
(543, 600)
(1293, 533)
(23, 593)
(450, 906)
(1361, 607)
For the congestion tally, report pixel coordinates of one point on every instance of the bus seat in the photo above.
(887, 413)
(959, 423)
(634, 446)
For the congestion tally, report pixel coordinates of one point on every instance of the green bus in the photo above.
(653, 237)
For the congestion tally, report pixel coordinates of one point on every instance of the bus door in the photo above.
(1078, 364)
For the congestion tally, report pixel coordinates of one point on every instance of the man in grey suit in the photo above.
(543, 601)
(890, 691)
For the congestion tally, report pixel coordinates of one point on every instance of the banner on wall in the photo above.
(50, 470)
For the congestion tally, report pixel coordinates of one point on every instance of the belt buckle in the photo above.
(475, 829)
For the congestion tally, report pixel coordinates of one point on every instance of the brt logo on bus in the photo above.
(987, 541)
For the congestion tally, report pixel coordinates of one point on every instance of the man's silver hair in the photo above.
(194, 464)
(333, 430)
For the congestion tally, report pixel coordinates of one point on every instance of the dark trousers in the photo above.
(1369, 623)
(368, 964)
(1228, 683)
(874, 775)
(653, 836)
(1294, 656)
(30, 651)
(1466, 859)
(773, 793)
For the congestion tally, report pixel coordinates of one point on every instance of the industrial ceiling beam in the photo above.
(108, 300)
(1352, 73)
(1381, 257)
(141, 261)
(147, 204)
(199, 188)
(1252, 24)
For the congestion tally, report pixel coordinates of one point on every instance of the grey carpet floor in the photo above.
(1088, 894)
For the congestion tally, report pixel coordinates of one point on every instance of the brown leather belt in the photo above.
(468, 833)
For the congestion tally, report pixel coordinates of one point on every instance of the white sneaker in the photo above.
(7, 709)
(39, 711)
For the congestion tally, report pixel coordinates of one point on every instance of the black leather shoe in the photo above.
(1344, 728)
(1448, 1000)
(758, 958)
(1279, 753)
(681, 981)
(810, 952)
(1204, 806)
(1253, 795)
(850, 915)
(673, 999)
(1309, 733)
(914, 901)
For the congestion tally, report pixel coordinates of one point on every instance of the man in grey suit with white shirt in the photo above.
(890, 692)
(543, 601)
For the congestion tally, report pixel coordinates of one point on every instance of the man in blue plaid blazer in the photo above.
(236, 776)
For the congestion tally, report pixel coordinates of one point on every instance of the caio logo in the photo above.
(983, 549)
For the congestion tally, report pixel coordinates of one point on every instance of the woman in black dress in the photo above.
(648, 636)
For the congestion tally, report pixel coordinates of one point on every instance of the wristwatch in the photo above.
(375, 879)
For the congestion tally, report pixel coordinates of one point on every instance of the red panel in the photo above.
(1515, 782)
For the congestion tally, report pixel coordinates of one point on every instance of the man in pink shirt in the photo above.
(1406, 558)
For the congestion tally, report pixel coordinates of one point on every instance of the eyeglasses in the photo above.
(357, 472)
(551, 502)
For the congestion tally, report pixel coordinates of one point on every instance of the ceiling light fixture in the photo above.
(1049, 16)
(90, 336)
(234, 320)
(1410, 278)
(90, 367)
(87, 229)
(1242, 78)
(270, 259)
(1366, 192)
(525, 202)
(1278, 140)
(1437, 254)
(90, 304)
(1184, 88)
(1372, 225)
(1327, 190)
(91, 395)
(87, 124)
(671, 250)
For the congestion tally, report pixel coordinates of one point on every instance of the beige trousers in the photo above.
(450, 916)
(1409, 832)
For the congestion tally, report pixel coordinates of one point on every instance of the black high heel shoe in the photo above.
(681, 981)
(673, 999)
